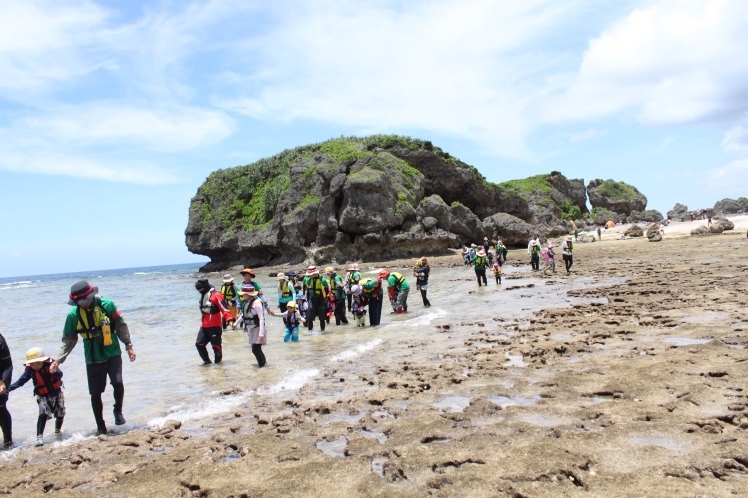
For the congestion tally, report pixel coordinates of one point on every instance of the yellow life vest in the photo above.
(101, 323)
(284, 289)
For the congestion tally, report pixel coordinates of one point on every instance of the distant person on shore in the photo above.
(286, 292)
(479, 265)
(374, 292)
(337, 291)
(533, 249)
(47, 388)
(230, 293)
(566, 252)
(253, 311)
(211, 327)
(291, 319)
(316, 289)
(599, 236)
(352, 277)
(102, 327)
(421, 272)
(6, 373)
(401, 287)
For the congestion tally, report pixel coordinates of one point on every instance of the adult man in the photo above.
(372, 290)
(479, 265)
(337, 289)
(398, 289)
(6, 372)
(211, 325)
(316, 289)
(96, 319)
(566, 252)
(533, 249)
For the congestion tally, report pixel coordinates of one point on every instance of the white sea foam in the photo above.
(296, 381)
(214, 406)
(140, 273)
(425, 319)
(361, 348)
(224, 404)
(23, 284)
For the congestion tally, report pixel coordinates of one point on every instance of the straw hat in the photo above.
(35, 355)
(329, 269)
(248, 271)
(291, 304)
(228, 278)
(281, 276)
(248, 290)
(568, 238)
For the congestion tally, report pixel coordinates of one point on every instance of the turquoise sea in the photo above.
(168, 381)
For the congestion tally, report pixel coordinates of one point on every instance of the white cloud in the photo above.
(588, 134)
(457, 68)
(730, 180)
(47, 42)
(172, 129)
(64, 164)
(672, 62)
(736, 138)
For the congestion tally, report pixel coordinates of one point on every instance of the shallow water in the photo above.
(168, 382)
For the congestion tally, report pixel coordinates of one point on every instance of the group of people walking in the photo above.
(301, 300)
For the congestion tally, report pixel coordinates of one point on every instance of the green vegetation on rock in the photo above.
(529, 184)
(617, 191)
(570, 212)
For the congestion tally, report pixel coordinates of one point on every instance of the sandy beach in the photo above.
(638, 390)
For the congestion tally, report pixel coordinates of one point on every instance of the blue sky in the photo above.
(113, 113)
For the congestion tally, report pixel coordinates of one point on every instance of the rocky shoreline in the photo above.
(638, 392)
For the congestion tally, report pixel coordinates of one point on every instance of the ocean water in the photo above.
(168, 381)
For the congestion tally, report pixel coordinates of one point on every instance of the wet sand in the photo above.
(640, 391)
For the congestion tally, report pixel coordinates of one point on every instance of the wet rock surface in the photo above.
(639, 385)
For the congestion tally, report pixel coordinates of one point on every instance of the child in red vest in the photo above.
(47, 388)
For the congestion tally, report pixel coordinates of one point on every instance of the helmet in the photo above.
(291, 304)
(355, 289)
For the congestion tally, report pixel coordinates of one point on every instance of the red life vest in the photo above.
(44, 383)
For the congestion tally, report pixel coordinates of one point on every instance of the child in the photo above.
(291, 318)
(550, 263)
(301, 303)
(359, 305)
(489, 255)
(47, 388)
(497, 272)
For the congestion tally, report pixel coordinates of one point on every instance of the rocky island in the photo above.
(384, 197)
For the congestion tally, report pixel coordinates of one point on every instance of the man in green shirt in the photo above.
(316, 290)
(101, 325)
(399, 289)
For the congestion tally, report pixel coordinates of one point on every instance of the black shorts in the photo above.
(97, 374)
